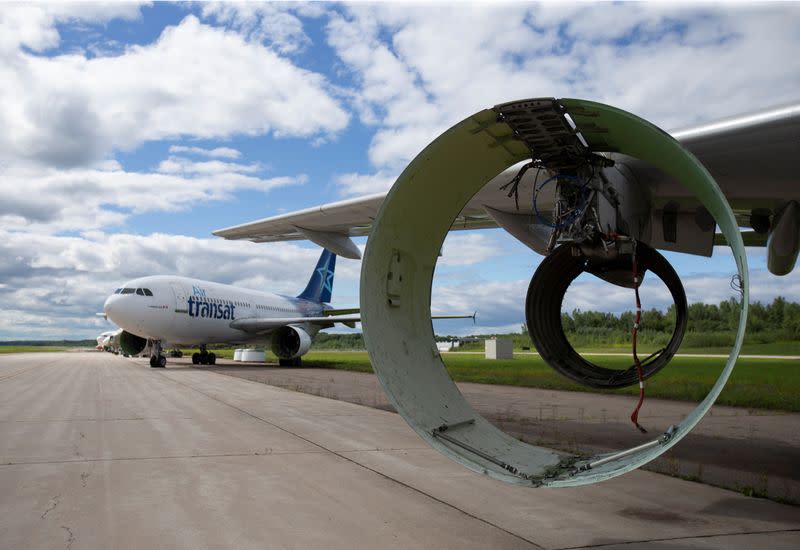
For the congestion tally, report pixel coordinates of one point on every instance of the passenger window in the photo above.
(147, 292)
(128, 291)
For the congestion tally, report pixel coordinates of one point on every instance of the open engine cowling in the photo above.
(569, 139)
(290, 342)
(130, 344)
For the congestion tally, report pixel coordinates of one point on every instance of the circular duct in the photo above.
(543, 316)
(401, 255)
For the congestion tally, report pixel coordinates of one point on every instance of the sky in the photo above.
(132, 131)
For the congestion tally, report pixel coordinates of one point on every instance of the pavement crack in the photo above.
(86, 475)
(52, 506)
(70, 536)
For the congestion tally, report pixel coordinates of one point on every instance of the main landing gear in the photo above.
(204, 357)
(158, 359)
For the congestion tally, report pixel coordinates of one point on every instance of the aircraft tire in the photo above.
(152, 361)
(161, 361)
(195, 358)
(212, 359)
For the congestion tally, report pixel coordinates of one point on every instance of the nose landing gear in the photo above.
(158, 359)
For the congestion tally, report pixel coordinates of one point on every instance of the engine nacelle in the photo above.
(290, 342)
(572, 141)
(130, 344)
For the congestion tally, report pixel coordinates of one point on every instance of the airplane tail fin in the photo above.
(320, 285)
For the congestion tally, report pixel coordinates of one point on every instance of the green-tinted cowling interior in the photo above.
(397, 273)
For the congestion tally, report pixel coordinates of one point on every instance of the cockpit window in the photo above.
(140, 292)
(147, 292)
(128, 291)
(118, 291)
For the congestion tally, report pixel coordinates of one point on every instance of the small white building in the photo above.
(499, 348)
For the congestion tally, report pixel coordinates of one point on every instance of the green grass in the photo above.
(770, 348)
(28, 349)
(755, 383)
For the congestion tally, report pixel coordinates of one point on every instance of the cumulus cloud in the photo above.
(70, 110)
(33, 25)
(354, 184)
(92, 198)
(463, 249)
(216, 152)
(673, 64)
(181, 165)
(275, 24)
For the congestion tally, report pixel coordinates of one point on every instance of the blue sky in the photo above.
(132, 131)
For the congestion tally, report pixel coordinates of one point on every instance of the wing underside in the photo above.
(751, 158)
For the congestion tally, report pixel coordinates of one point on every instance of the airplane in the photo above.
(194, 313)
(592, 188)
(109, 341)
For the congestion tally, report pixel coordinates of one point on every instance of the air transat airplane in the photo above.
(193, 313)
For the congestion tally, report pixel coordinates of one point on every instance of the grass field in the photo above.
(755, 383)
(771, 348)
(28, 349)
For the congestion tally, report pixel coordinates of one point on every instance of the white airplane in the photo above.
(601, 191)
(109, 340)
(153, 311)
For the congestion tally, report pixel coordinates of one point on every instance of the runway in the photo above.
(98, 451)
(733, 447)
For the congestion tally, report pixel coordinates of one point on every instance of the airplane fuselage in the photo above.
(192, 312)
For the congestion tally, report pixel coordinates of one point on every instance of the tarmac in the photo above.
(755, 451)
(99, 451)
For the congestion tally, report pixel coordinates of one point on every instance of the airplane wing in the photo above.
(268, 324)
(751, 158)
(261, 325)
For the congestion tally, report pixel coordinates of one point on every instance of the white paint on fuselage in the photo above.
(192, 312)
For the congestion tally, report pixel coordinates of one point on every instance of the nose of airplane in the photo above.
(111, 307)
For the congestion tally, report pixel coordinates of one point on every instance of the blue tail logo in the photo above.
(320, 286)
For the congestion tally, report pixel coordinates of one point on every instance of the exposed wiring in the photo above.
(567, 218)
(515, 181)
(634, 334)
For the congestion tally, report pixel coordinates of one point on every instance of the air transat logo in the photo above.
(204, 309)
(327, 277)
